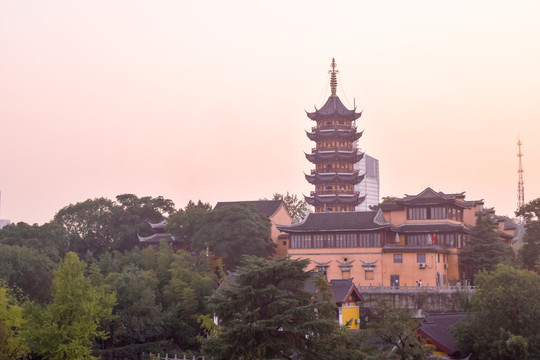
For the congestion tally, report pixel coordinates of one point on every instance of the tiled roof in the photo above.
(342, 288)
(156, 238)
(338, 221)
(266, 207)
(431, 197)
(430, 227)
(334, 108)
(391, 207)
(436, 329)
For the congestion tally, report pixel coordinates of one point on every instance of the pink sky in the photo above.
(205, 100)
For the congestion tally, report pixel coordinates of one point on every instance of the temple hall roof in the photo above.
(431, 197)
(266, 207)
(338, 221)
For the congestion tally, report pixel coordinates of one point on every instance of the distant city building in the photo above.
(369, 187)
(335, 154)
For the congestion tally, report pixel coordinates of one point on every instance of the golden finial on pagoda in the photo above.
(333, 77)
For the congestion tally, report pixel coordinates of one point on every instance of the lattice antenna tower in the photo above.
(521, 192)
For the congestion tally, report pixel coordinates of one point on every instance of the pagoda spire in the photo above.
(333, 77)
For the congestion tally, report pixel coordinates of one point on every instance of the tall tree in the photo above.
(266, 313)
(529, 253)
(505, 318)
(396, 330)
(298, 208)
(28, 270)
(65, 328)
(484, 249)
(50, 239)
(184, 223)
(89, 225)
(233, 231)
(12, 346)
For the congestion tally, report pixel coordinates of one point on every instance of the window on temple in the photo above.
(421, 258)
(438, 213)
(300, 241)
(419, 239)
(414, 213)
(323, 241)
(370, 275)
(398, 258)
(369, 240)
(425, 213)
(347, 240)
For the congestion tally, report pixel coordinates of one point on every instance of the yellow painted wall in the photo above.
(409, 271)
(350, 313)
(357, 255)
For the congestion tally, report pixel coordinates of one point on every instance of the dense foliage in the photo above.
(505, 318)
(266, 312)
(529, 254)
(484, 250)
(233, 231)
(65, 328)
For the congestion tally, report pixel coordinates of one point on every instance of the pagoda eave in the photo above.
(334, 199)
(347, 178)
(317, 155)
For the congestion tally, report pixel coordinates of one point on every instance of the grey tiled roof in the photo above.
(430, 227)
(341, 288)
(338, 221)
(436, 329)
(266, 207)
(333, 108)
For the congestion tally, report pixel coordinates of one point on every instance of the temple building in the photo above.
(415, 240)
(334, 155)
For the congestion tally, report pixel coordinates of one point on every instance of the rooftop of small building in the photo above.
(266, 207)
(342, 289)
(339, 221)
(436, 329)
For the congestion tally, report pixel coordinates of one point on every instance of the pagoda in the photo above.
(335, 154)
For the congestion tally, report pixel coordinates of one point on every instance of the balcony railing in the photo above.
(333, 127)
(331, 192)
(333, 148)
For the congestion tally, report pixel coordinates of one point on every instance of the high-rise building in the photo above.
(335, 154)
(369, 187)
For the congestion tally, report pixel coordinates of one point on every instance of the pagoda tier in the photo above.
(326, 178)
(334, 199)
(335, 133)
(317, 156)
(332, 109)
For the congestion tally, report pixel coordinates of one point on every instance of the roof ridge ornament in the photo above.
(333, 77)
